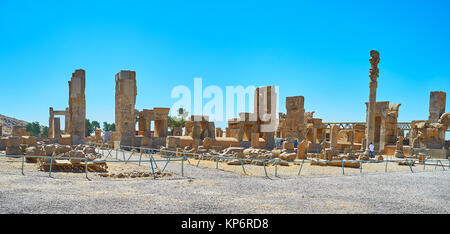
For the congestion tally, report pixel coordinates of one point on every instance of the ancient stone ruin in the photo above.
(74, 115)
(261, 134)
(126, 92)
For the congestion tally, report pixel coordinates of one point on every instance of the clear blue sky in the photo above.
(317, 49)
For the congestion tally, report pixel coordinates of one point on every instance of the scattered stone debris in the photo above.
(135, 174)
(406, 163)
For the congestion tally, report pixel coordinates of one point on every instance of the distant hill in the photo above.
(7, 124)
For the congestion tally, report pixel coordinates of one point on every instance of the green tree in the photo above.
(109, 127)
(178, 121)
(33, 128)
(105, 126)
(95, 125)
(45, 131)
(89, 128)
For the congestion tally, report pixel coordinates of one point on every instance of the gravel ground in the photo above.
(207, 190)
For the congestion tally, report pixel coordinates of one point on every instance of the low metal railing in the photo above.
(170, 154)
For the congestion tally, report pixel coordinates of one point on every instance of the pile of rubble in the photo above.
(136, 174)
(256, 156)
(65, 157)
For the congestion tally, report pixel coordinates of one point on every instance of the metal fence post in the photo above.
(443, 168)
(242, 164)
(409, 164)
(23, 159)
(200, 158)
(153, 171)
(360, 166)
(265, 170)
(51, 164)
(166, 164)
(300, 168)
(86, 167)
(276, 168)
(343, 167)
(182, 166)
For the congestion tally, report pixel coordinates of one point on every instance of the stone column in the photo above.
(352, 139)
(437, 105)
(67, 122)
(50, 122)
(219, 132)
(382, 142)
(314, 140)
(334, 131)
(161, 128)
(270, 140)
(196, 130)
(56, 128)
(161, 118)
(77, 106)
(295, 126)
(126, 92)
(265, 108)
(370, 128)
(211, 126)
(255, 140)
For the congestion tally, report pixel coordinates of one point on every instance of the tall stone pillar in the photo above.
(126, 92)
(382, 142)
(67, 121)
(50, 123)
(314, 140)
(265, 108)
(77, 106)
(370, 119)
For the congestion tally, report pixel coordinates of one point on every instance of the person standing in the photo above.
(371, 150)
